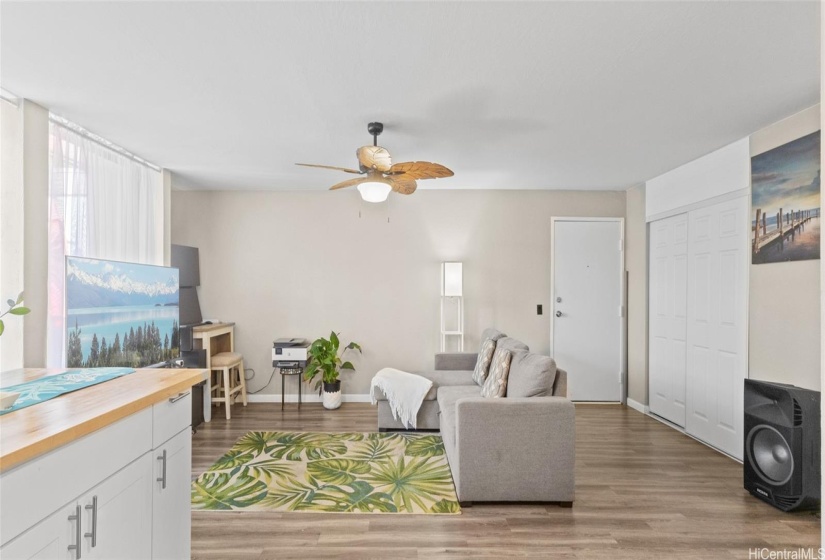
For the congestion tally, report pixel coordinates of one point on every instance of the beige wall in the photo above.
(636, 265)
(785, 331)
(11, 229)
(300, 264)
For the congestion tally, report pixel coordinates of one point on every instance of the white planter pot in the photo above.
(332, 399)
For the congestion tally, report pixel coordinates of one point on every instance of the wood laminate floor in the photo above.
(643, 490)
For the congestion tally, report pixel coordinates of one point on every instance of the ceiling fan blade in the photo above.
(344, 169)
(402, 184)
(421, 170)
(349, 183)
(374, 157)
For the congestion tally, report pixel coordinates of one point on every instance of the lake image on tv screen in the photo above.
(120, 314)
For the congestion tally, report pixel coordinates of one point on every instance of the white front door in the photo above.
(587, 306)
(717, 328)
(668, 317)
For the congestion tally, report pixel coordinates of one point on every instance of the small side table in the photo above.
(291, 372)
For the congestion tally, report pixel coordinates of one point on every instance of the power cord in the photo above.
(265, 386)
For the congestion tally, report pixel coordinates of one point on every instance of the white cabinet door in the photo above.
(667, 313)
(123, 525)
(48, 540)
(717, 356)
(171, 517)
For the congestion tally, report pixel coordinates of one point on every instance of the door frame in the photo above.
(622, 290)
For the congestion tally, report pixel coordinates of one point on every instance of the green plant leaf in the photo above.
(415, 482)
(20, 311)
(347, 365)
(19, 298)
(2, 326)
(372, 450)
(232, 459)
(425, 446)
(337, 471)
(290, 493)
(353, 346)
(266, 469)
(314, 446)
(445, 506)
(257, 442)
(333, 338)
(214, 490)
(360, 498)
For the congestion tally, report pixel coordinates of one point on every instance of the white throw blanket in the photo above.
(405, 392)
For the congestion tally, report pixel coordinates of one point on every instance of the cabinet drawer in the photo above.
(171, 416)
(34, 490)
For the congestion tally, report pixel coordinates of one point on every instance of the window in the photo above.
(103, 203)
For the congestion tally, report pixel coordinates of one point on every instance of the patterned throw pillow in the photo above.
(485, 356)
(496, 384)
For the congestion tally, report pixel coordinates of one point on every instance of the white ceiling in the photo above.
(229, 95)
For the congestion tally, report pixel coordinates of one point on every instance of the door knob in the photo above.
(558, 313)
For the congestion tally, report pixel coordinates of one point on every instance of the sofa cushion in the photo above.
(531, 375)
(447, 398)
(485, 356)
(496, 384)
(492, 334)
(440, 378)
(511, 344)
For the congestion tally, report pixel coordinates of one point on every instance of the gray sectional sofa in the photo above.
(520, 448)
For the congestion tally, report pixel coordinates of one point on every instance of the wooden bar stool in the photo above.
(230, 379)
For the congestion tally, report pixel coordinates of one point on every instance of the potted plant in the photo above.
(324, 358)
(15, 308)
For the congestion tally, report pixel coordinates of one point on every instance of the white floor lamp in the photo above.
(452, 305)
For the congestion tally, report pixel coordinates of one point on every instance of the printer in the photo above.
(289, 353)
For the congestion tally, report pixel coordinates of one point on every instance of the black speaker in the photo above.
(186, 339)
(782, 444)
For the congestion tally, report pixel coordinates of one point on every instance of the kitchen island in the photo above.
(102, 472)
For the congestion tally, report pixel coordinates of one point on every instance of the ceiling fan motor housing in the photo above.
(375, 128)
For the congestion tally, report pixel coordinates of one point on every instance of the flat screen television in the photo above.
(121, 314)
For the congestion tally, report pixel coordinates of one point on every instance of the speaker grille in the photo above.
(786, 502)
(797, 413)
(770, 455)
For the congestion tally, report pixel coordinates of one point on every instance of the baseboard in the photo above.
(307, 398)
(683, 431)
(635, 405)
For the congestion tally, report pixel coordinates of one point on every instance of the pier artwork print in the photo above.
(786, 206)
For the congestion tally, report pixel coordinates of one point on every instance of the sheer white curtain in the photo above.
(103, 205)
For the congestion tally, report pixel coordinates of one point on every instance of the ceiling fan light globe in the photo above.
(374, 191)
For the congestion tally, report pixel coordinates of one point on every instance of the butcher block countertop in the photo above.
(40, 428)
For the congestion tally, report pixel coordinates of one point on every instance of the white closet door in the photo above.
(717, 323)
(667, 313)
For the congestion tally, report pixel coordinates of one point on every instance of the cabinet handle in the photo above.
(162, 478)
(93, 534)
(178, 397)
(76, 518)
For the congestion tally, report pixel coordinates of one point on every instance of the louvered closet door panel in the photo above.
(717, 323)
(667, 312)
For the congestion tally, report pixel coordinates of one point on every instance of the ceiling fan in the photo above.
(380, 174)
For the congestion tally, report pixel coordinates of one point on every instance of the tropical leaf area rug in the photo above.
(330, 473)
